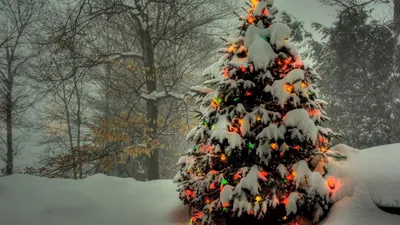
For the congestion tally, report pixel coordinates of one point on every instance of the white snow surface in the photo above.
(367, 176)
(97, 200)
(279, 34)
(261, 54)
(299, 118)
(250, 182)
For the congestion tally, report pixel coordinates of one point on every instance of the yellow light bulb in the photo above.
(254, 2)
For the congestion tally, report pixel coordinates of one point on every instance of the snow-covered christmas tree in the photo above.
(260, 144)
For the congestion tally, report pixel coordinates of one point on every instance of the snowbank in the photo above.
(366, 179)
(97, 200)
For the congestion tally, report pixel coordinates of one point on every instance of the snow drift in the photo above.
(367, 180)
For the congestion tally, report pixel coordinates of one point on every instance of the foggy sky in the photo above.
(304, 10)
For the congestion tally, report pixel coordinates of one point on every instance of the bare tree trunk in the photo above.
(396, 19)
(396, 69)
(10, 152)
(153, 172)
(9, 109)
(78, 123)
(69, 128)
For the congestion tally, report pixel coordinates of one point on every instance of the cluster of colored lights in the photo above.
(234, 128)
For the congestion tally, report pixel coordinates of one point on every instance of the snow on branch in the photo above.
(121, 55)
(398, 40)
(162, 94)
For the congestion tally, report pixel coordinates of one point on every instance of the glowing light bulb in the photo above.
(273, 146)
(212, 186)
(251, 19)
(254, 2)
(289, 88)
(223, 158)
(264, 174)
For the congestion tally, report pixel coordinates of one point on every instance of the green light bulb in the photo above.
(224, 182)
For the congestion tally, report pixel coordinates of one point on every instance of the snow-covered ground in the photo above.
(366, 178)
(97, 200)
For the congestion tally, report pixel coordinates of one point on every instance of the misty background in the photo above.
(93, 86)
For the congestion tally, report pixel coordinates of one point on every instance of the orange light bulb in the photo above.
(251, 19)
(313, 112)
(289, 88)
(331, 183)
(223, 158)
(273, 146)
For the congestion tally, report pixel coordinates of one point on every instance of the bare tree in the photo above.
(18, 18)
(154, 26)
(352, 3)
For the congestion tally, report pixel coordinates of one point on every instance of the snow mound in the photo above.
(367, 180)
(97, 200)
